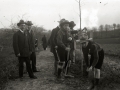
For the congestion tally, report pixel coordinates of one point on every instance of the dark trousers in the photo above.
(56, 60)
(33, 59)
(63, 58)
(44, 46)
(86, 58)
(62, 54)
(27, 61)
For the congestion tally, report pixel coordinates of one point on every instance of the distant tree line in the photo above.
(106, 31)
(6, 34)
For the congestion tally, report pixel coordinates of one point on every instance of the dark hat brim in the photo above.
(72, 24)
(18, 24)
(29, 24)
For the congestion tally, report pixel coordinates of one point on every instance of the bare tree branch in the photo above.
(60, 16)
(7, 19)
(77, 1)
(2, 24)
(23, 15)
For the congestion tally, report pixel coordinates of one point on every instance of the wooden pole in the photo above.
(80, 44)
(80, 13)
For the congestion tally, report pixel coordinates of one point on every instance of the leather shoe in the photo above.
(34, 77)
(21, 78)
(36, 71)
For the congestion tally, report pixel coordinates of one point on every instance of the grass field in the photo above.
(110, 45)
(8, 66)
(108, 41)
(111, 49)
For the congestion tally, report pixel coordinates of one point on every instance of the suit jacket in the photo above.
(21, 44)
(32, 40)
(93, 49)
(53, 40)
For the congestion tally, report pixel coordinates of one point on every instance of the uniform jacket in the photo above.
(53, 40)
(92, 49)
(21, 44)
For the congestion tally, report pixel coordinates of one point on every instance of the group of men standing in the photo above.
(24, 44)
(63, 44)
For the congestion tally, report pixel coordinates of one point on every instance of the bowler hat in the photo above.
(29, 23)
(20, 22)
(72, 24)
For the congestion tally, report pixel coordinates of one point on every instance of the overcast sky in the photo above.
(47, 13)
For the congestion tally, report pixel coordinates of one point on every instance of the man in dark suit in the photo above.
(63, 42)
(21, 46)
(32, 45)
(53, 44)
(44, 40)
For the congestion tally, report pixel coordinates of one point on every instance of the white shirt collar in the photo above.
(21, 30)
(30, 30)
(59, 26)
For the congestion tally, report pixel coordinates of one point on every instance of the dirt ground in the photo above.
(47, 81)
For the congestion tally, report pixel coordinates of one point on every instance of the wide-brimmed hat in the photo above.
(20, 22)
(64, 22)
(29, 23)
(72, 24)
